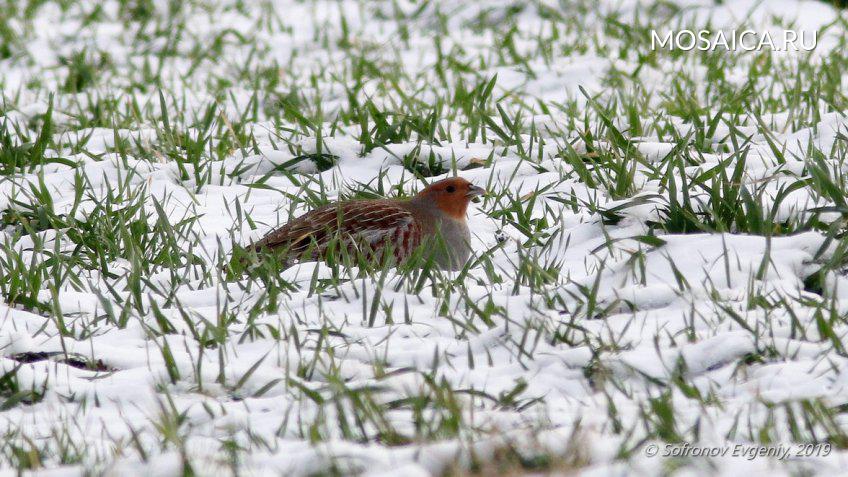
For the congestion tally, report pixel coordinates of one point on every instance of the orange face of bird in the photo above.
(452, 195)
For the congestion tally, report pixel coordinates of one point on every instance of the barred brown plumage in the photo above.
(373, 227)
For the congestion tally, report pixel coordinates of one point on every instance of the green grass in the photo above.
(185, 116)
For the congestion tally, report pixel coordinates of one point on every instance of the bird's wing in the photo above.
(373, 223)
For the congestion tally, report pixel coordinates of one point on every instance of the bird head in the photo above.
(451, 196)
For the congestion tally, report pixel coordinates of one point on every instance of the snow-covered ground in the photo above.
(658, 262)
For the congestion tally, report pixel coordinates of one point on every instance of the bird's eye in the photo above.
(451, 189)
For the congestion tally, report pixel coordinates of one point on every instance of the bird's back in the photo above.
(367, 226)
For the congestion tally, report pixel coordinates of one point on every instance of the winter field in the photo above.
(661, 262)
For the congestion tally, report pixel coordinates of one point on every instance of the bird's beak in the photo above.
(474, 191)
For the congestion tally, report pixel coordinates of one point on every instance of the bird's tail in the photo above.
(243, 260)
(237, 264)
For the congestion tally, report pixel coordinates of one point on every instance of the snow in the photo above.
(686, 308)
